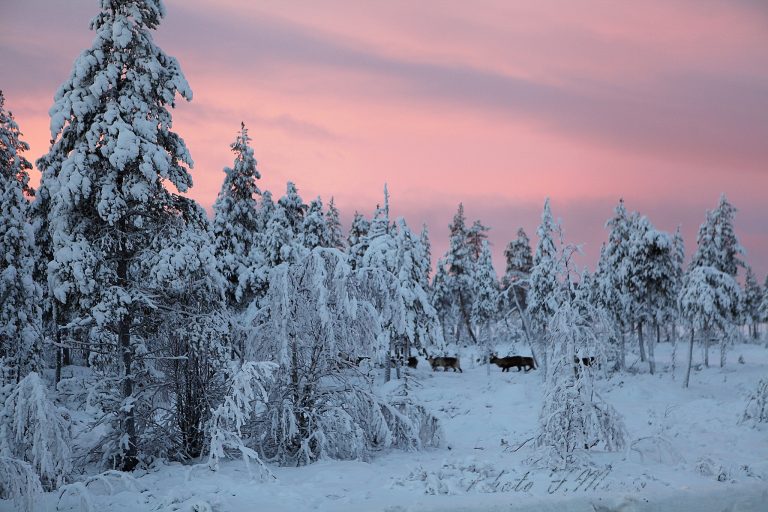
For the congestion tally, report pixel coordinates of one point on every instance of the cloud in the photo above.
(213, 114)
(687, 114)
(494, 106)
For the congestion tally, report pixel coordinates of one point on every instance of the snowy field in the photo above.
(688, 453)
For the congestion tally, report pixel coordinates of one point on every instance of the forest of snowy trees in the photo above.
(266, 332)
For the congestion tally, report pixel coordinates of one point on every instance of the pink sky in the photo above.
(494, 103)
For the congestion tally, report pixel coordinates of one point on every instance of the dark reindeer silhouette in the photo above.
(445, 363)
(519, 362)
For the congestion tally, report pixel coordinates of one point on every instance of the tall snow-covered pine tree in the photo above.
(108, 173)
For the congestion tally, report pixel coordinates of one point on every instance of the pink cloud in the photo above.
(498, 105)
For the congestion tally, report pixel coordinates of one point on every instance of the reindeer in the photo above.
(528, 362)
(413, 362)
(445, 362)
(520, 362)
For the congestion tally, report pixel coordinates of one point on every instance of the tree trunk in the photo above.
(651, 360)
(674, 356)
(466, 319)
(58, 365)
(641, 341)
(442, 326)
(488, 348)
(690, 361)
(388, 363)
(128, 418)
(57, 337)
(723, 349)
(706, 347)
(622, 350)
(526, 329)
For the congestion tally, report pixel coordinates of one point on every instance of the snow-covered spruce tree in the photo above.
(294, 208)
(461, 269)
(55, 315)
(678, 258)
(278, 241)
(333, 223)
(519, 261)
(107, 174)
(422, 325)
(381, 250)
(314, 230)
(357, 239)
(752, 297)
(265, 210)
(476, 235)
(236, 227)
(678, 254)
(442, 295)
(651, 273)
(381, 258)
(315, 309)
(718, 248)
(193, 340)
(20, 484)
(233, 421)
(612, 280)
(586, 287)
(709, 300)
(573, 417)
(718, 245)
(33, 429)
(486, 298)
(543, 293)
(20, 295)
(426, 260)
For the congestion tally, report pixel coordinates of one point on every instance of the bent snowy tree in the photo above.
(315, 309)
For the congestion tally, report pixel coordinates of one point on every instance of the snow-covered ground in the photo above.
(688, 453)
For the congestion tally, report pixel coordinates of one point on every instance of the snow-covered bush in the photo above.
(231, 421)
(573, 417)
(84, 492)
(416, 426)
(34, 430)
(411, 425)
(20, 483)
(756, 410)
